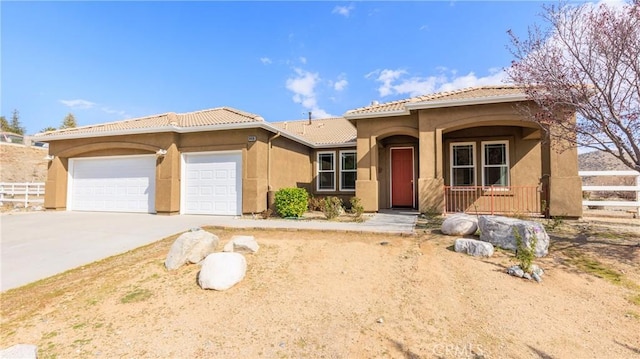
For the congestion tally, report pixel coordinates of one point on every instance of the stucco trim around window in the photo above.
(499, 161)
(348, 159)
(325, 171)
(459, 165)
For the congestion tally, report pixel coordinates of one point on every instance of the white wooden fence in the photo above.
(635, 189)
(26, 192)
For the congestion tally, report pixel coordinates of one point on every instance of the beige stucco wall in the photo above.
(291, 165)
(560, 170)
(290, 160)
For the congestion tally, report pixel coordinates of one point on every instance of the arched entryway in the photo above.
(397, 172)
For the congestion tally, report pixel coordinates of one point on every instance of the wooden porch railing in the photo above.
(512, 200)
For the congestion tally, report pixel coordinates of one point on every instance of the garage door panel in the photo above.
(122, 184)
(211, 185)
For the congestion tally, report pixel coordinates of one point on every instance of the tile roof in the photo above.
(324, 131)
(335, 131)
(471, 93)
(211, 117)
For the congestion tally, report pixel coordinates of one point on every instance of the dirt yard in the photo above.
(339, 295)
(22, 163)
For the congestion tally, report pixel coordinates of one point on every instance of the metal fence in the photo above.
(511, 200)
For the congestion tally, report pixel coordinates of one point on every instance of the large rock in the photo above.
(459, 224)
(242, 244)
(20, 351)
(473, 247)
(221, 271)
(191, 247)
(500, 232)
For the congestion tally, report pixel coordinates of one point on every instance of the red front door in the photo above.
(402, 177)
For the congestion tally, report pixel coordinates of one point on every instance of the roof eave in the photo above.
(376, 114)
(73, 136)
(335, 145)
(466, 102)
(232, 126)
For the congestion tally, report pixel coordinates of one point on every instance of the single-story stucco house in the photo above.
(443, 152)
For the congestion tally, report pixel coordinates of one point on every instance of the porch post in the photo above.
(367, 175)
(430, 155)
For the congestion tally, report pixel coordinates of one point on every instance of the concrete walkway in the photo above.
(38, 245)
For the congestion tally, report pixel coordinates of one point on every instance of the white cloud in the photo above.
(303, 85)
(387, 77)
(303, 60)
(320, 113)
(341, 84)
(265, 60)
(343, 10)
(78, 104)
(398, 82)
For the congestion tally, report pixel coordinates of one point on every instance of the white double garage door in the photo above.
(211, 183)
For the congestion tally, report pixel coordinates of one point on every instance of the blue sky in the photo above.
(108, 61)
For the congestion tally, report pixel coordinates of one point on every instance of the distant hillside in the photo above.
(20, 163)
(600, 161)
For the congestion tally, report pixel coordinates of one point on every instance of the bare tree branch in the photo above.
(588, 61)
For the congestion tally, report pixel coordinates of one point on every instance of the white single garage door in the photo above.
(112, 184)
(212, 183)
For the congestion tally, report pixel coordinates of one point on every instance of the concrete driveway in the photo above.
(38, 245)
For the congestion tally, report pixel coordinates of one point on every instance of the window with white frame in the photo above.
(495, 163)
(348, 169)
(463, 169)
(326, 179)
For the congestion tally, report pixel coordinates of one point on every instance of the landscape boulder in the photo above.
(20, 351)
(500, 231)
(473, 247)
(242, 244)
(191, 247)
(459, 224)
(221, 271)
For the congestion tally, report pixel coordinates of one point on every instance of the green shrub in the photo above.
(316, 203)
(553, 223)
(356, 207)
(525, 254)
(332, 207)
(291, 202)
